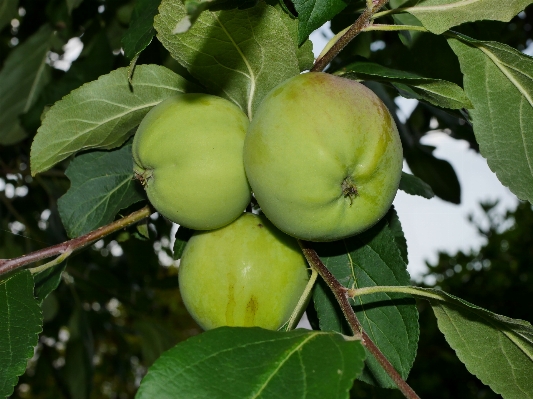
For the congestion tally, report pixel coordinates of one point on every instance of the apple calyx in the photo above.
(143, 175)
(349, 189)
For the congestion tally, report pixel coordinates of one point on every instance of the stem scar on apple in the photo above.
(349, 189)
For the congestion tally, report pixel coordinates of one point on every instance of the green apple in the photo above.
(245, 274)
(323, 157)
(188, 155)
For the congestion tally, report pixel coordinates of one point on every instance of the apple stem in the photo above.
(364, 20)
(66, 248)
(342, 295)
(302, 302)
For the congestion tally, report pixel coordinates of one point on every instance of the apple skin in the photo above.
(245, 274)
(188, 154)
(323, 157)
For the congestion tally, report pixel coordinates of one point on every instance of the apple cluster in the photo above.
(323, 159)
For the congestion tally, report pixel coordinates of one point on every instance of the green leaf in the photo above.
(396, 229)
(438, 173)
(24, 75)
(237, 54)
(155, 338)
(141, 29)
(440, 15)
(183, 236)
(415, 186)
(499, 81)
(102, 113)
(497, 349)
(72, 4)
(47, 281)
(391, 320)
(312, 14)
(255, 363)
(8, 11)
(20, 325)
(435, 91)
(102, 183)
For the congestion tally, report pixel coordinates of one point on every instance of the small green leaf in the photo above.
(391, 320)
(237, 54)
(141, 29)
(243, 362)
(395, 227)
(24, 75)
(47, 281)
(499, 81)
(182, 238)
(102, 184)
(72, 4)
(155, 338)
(102, 113)
(440, 15)
(20, 325)
(312, 14)
(415, 186)
(435, 91)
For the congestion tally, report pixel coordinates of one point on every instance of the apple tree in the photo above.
(90, 304)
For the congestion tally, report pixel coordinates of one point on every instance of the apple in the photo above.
(188, 155)
(246, 274)
(323, 157)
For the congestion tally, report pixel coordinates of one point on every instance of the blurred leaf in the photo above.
(257, 363)
(20, 325)
(78, 369)
(96, 59)
(102, 183)
(497, 349)
(47, 281)
(182, 238)
(102, 113)
(50, 307)
(499, 81)
(415, 186)
(141, 29)
(155, 339)
(435, 91)
(24, 75)
(237, 54)
(440, 15)
(391, 320)
(396, 229)
(438, 173)
(72, 4)
(8, 11)
(312, 14)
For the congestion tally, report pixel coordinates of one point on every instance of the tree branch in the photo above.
(75, 244)
(341, 294)
(364, 20)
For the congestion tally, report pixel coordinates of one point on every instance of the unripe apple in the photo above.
(247, 273)
(323, 157)
(188, 155)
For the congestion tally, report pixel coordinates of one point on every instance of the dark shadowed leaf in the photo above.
(141, 29)
(22, 78)
(369, 259)
(8, 10)
(20, 325)
(243, 362)
(182, 238)
(102, 183)
(312, 14)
